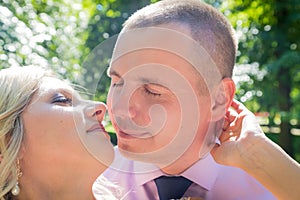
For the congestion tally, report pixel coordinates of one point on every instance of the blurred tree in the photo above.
(269, 51)
(72, 38)
(44, 32)
(104, 25)
(103, 28)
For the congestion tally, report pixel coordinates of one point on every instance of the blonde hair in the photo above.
(17, 86)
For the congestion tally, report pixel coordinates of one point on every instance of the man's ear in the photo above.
(222, 98)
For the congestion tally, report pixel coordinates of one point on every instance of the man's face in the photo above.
(159, 106)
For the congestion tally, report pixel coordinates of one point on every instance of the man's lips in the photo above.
(131, 135)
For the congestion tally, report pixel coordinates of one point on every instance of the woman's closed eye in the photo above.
(62, 99)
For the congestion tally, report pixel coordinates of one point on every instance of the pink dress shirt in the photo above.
(132, 180)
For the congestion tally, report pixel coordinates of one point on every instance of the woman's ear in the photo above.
(223, 98)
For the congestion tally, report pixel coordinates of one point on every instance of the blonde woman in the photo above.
(52, 142)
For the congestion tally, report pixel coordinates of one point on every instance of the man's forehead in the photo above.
(161, 38)
(179, 46)
(152, 64)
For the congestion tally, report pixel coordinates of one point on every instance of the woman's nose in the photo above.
(98, 110)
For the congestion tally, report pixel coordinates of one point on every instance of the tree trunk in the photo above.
(284, 79)
(285, 137)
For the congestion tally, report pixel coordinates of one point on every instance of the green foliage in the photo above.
(48, 33)
(66, 36)
(269, 41)
(105, 24)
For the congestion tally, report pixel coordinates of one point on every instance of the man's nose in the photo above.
(123, 105)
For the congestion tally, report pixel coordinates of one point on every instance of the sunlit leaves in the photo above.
(269, 35)
(48, 33)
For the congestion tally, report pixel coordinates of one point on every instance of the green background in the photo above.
(62, 33)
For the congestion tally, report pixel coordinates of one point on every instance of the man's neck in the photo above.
(180, 165)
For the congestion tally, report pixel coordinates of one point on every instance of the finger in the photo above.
(228, 135)
(232, 115)
(226, 123)
(236, 128)
(238, 106)
(224, 136)
(228, 119)
(238, 120)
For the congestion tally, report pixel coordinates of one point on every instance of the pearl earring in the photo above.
(16, 189)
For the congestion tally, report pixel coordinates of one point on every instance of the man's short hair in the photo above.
(207, 25)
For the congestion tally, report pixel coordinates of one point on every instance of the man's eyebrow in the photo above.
(113, 73)
(149, 80)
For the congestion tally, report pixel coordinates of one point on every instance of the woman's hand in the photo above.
(241, 133)
(244, 145)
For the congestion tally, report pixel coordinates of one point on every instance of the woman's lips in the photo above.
(98, 128)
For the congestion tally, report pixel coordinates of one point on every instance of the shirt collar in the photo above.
(204, 172)
(151, 173)
(139, 172)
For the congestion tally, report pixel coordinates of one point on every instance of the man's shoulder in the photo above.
(240, 185)
(226, 182)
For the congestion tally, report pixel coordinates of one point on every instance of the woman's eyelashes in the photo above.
(62, 99)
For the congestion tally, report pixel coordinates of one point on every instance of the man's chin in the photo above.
(141, 157)
(131, 151)
(162, 157)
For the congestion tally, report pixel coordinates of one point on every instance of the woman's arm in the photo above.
(244, 145)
